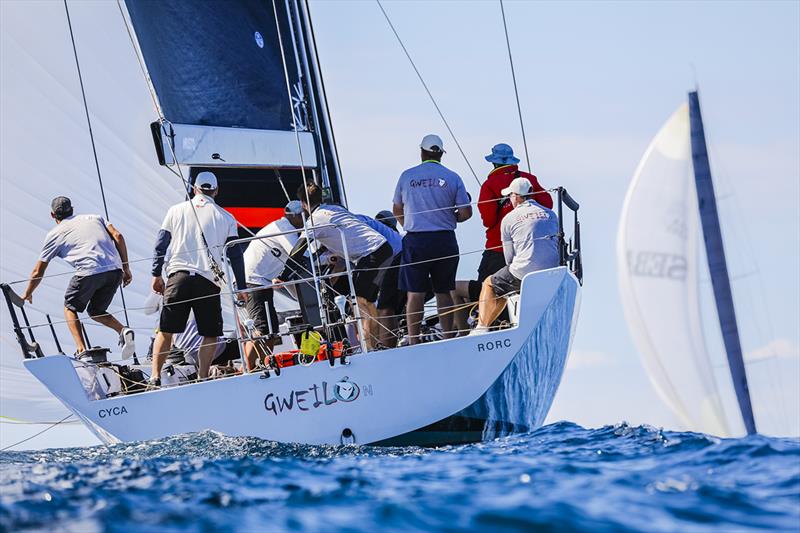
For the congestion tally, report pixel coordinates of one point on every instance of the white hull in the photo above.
(503, 381)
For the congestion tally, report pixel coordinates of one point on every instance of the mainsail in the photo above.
(240, 94)
(658, 264)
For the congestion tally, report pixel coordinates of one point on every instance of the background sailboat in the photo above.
(671, 197)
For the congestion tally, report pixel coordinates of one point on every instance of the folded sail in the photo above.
(657, 255)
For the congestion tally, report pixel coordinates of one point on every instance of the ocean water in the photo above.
(559, 478)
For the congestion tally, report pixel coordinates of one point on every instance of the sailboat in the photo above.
(670, 200)
(250, 105)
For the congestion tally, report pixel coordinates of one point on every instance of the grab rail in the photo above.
(32, 349)
(569, 252)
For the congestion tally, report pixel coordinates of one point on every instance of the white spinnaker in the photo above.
(658, 262)
(45, 151)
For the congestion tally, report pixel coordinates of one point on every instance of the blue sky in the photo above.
(597, 80)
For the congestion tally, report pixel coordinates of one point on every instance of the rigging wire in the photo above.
(151, 257)
(249, 290)
(516, 91)
(48, 428)
(427, 90)
(315, 265)
(91, 138)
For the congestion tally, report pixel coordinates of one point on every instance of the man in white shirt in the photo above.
(192, 237)
(264, 260)
(529, 234)
(97, 252)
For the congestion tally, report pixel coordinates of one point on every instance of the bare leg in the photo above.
(257, 349)
(368, 314)
(250, 354)
(161, 347)
(489, 306)
(388, 324)
(414, 313)
(206, 355)
(74, 325)
(460, 299)
(109, 321)
(444, 306)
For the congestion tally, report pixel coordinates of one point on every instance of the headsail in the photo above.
(45, 151)
(717, 264)
(658, 278)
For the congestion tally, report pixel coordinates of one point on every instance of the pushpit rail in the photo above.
(569, 251)
(31, 349)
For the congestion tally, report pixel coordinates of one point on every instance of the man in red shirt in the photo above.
(493, 206)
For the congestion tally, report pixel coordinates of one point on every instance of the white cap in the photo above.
(206, 180)
(519, 186)
(293, 208)
(432, 143)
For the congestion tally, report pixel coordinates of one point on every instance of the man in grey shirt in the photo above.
(370, 252)
(429, 201)
(97, 252)
(529, 234)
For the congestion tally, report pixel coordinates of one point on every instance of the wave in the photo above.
(559, 477)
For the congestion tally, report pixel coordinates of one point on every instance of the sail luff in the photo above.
(717, 264)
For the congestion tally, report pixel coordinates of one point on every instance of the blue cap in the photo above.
(502, 154)
(388, 218)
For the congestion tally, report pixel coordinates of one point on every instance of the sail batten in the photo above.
(717, 264)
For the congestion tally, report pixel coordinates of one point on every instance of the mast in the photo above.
(717, 264)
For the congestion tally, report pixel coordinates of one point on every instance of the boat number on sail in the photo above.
(314, 397)
(657, 265)
(113, 411)
(494, 345)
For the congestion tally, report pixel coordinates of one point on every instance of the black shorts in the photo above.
(491, 262)
(258, 305)
(390, 296)
(369, 272)
(429, 255)
(95, 291)
(504, 282)
(186, 292)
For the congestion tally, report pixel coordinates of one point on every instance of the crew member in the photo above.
(383, 328)
(97, 252)
(493, 207)
(264, 259)
(529, 234)
(429, 201)
(193, 235)
(369, 250)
